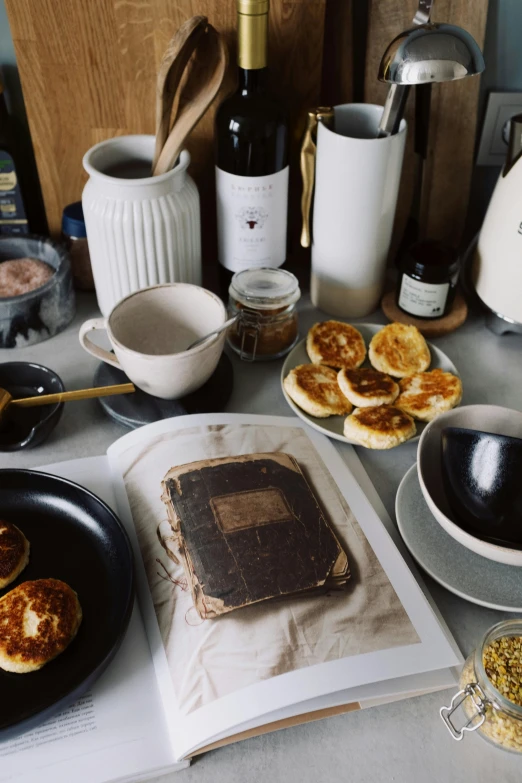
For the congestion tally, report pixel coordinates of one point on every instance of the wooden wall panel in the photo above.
(88, 73)
(453, 120)
(453, 130)
(338, 59)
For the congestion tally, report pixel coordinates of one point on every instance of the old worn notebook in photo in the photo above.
(249, 529)
(270, 593)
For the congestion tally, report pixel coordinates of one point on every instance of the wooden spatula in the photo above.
(172, 66)
(51, 399)
(186, 89)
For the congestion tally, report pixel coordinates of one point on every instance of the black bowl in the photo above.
(482, 474)
(22, 428)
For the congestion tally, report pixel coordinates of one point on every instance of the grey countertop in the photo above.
(405, 741)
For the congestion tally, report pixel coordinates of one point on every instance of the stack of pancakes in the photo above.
(389, 395)
(38, 619)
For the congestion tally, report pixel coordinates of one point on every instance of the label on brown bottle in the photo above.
(13, 219)
(427, 300)
(252, 217)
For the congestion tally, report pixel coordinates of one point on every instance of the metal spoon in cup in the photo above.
(215, 332)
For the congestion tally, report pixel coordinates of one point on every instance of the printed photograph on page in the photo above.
(255, 562)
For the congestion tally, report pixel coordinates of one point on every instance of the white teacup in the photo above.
(150, 331)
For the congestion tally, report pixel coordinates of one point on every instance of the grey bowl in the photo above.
(484, 418)
(37, 315)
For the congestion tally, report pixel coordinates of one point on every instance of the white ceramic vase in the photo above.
(357, 178)
(142, 231)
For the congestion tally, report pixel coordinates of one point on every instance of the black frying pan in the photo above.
(75, 537)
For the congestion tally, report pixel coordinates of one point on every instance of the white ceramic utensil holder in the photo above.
(143, 231)
(357, 178)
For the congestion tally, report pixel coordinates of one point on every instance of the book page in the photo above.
(279, 654)
(117, 729)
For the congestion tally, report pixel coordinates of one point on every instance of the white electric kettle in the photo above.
(497, 265)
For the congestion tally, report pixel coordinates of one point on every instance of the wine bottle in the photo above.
(251, 157)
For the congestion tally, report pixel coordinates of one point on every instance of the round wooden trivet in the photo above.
(437, 327)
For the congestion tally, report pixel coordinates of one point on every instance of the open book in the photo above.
(183, 683)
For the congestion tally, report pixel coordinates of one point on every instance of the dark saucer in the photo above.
(135, 410)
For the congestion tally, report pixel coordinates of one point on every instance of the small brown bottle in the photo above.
(427, 280)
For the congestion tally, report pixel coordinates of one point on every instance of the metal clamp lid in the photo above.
(480, 702)
(248, 326)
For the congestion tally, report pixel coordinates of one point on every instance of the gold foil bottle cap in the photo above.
(252, 7)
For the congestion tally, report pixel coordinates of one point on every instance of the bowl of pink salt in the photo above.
(36, 294)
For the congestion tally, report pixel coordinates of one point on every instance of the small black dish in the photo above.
(22, 428)
(75, 537)
(482, 474)
(136, 409)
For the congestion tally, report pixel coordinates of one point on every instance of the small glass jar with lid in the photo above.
(264, 300)
(490, 697)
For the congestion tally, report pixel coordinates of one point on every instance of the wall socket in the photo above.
(495, 131)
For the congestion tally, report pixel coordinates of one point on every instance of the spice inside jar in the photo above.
(491, 689)
(427, 281)
(22, 275)
(265, 301)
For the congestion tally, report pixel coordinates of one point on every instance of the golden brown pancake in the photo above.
(37, 621)
(315, 389)
(366, 387)
(336, 344)
(399, 350)
(425, 395)
(381, 427)
(14, 552)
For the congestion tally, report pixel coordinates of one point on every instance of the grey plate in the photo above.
(456, 568)
(333, 425)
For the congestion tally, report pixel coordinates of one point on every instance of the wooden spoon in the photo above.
(175, 59)
(51, 399)
(192, 99)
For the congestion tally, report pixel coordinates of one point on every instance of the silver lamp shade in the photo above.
(431, 53)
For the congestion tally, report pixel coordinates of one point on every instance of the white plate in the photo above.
(459, 570)
(333, 425)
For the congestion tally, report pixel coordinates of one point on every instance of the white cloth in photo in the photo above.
(212, 658)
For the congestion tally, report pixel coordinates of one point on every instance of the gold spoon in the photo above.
(51, 399)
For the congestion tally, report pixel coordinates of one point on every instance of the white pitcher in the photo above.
(142, 231)
(357, 177)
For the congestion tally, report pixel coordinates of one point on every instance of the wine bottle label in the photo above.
(252, 216)
(425, 299)
(12, 213)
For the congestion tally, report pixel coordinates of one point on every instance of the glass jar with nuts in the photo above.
(490, 698)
